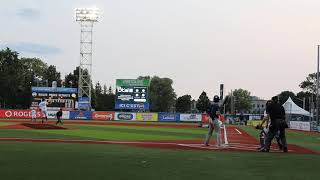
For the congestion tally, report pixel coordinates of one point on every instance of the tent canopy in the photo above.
(291, 108)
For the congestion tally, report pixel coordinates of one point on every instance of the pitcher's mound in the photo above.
(32, 126)
(42, 126)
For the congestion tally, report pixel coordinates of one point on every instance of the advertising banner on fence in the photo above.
(190, 117)
(125, 116)
(103, 115)
(8, 113)
(52, 114)
(300, 125)
(81, 115)
(147, 117)
(168, 117)
(204, 119)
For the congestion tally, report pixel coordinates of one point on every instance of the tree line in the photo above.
(18, 75)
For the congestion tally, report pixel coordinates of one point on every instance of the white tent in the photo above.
(292, 108)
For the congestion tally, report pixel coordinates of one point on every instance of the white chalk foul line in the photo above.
(237, 130)
(225, 135)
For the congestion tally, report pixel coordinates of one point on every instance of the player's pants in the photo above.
(59, 120)
(273, 131)
(44, 115)
(263, 139)
(214, 126)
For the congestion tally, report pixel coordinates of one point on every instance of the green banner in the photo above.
(132, 82)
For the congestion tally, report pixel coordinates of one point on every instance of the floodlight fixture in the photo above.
(87, 14)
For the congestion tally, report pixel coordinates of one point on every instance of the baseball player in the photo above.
(59, 115)
(44, 110)
(214, 122)
(33, 115)
(265, 129)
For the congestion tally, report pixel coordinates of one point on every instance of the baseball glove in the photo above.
(259, 127)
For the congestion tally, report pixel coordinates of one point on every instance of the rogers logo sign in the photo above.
(15, 113)
(8, 113)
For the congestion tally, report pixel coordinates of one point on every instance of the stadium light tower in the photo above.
(86, 17)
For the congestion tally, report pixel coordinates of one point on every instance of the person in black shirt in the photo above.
(59, 115)
(214, 123)
(277, 114)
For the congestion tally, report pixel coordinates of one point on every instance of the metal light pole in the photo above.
(317, 88)
(86, 17)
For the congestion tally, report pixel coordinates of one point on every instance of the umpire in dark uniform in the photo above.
(277, 117)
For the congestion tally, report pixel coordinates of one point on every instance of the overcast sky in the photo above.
(264, 46)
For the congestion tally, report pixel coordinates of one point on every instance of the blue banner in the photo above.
(83, 103)
(168, 117)
(131, 105)
(81, 115)
(54, 90)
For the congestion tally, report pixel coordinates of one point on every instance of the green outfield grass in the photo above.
(5, 123)
(63, 161)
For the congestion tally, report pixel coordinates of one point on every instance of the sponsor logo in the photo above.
(124, 90)
(147, 116)
(18, 114)
(103, 116)
(193, 116)
(8, 113)
(133, 106)
(169, 117)
(125, 116)
(51, 113)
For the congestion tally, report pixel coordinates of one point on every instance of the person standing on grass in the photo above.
(33, 115)
(277, 114)
(241, 118)
(214, 122)
(59, 115)
(44, 110)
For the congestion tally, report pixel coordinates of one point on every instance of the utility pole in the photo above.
(317, 88)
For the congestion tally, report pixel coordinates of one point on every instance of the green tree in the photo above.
(307, 97)
(161, 94)
(203, 102)
(242, 100)
(284, 95)
(105, 99)
(183, 104)
(37, 68)
(51, 74)
(72, 79)
(15, 81)
(309, 85)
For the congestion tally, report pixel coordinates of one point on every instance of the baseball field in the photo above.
(128, 150)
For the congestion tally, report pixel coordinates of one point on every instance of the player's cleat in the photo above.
(264, 150)
(285, 149)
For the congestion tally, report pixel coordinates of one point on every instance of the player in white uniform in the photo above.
(44, 110)
(33, 115)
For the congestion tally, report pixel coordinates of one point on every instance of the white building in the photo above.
(258, 105)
